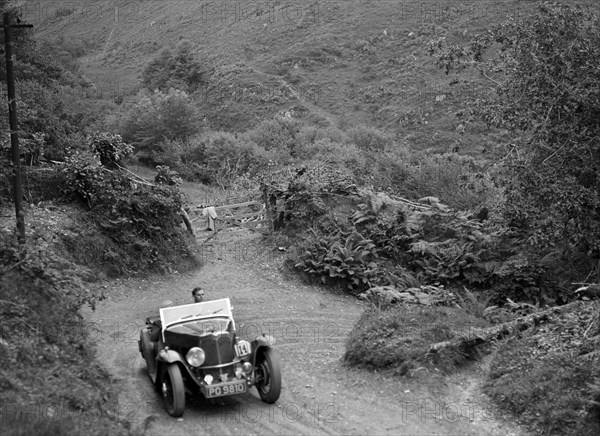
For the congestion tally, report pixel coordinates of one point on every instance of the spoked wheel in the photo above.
(268, 376)
(173, 390)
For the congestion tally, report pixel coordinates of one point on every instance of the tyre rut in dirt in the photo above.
(269, 376)
(173, 390)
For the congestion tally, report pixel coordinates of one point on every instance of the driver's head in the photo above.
(198, 294)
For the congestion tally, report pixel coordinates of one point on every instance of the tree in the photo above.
(151, 118)
(180, 70)
(546, 76)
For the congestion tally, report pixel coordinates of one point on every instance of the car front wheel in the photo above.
(268, 376)
(173, 390)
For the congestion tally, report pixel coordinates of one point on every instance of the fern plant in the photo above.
(341, 257)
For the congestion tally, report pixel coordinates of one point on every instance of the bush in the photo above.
(456, 180)
(369, 139)
(399, 338)
(40, 108)
(311, 134)
(109, 148)
(180, 70)
(150, 118)
(141, 223)
(167, 176)
(42, 184)
(88, 181)
(365, 243)
(341, 257)
(278, 134)
(334, 153)
(168, 153)
(224, 156)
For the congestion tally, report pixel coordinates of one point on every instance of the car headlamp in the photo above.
(247, 368)
(195, 357)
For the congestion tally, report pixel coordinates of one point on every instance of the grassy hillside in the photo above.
(344, 63)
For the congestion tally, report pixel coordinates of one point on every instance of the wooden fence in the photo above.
(252, 215)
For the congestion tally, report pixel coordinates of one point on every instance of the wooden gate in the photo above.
(252, 215)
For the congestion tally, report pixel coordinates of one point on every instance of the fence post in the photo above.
(268, 208)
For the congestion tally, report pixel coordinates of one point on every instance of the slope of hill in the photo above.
(347, 62)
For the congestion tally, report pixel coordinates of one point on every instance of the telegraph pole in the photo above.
(14, 125)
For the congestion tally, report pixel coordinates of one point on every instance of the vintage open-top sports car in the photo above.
(195, 346)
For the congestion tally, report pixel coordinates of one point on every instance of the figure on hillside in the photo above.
(211, 216)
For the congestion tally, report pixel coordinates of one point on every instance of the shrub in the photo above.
(40, 112)
(109, 148)
(369, 138)
(226, 156)
(179, 70)
(399, 338)
(335, 153)
(42, 184)
(141, 222)
(311, 134)
(279, 134)
(167, 153)
(167, 176)
(150, 118)
(340, 257)
(456, 180)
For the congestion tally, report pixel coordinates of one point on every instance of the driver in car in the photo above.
(198, 294)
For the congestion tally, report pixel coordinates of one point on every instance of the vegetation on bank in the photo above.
(113, 224)
(533, 233)
(549, 377)
(51, 383)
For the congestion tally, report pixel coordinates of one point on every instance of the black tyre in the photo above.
(145, 345)
(268, 376)
(173, 390)
(148, 353)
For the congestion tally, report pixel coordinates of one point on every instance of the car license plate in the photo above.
(238, 387)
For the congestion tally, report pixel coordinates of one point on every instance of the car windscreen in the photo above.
(176, 314)
(201, 327)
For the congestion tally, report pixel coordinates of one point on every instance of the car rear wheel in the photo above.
(268, 376)
(146, 348)
(173, 390)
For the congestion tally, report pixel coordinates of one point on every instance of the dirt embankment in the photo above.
(310, 325)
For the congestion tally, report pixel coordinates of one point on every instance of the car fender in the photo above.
(262, 342)
(169, 356)
(166, 357)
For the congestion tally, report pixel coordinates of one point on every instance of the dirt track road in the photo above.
(310, 325)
